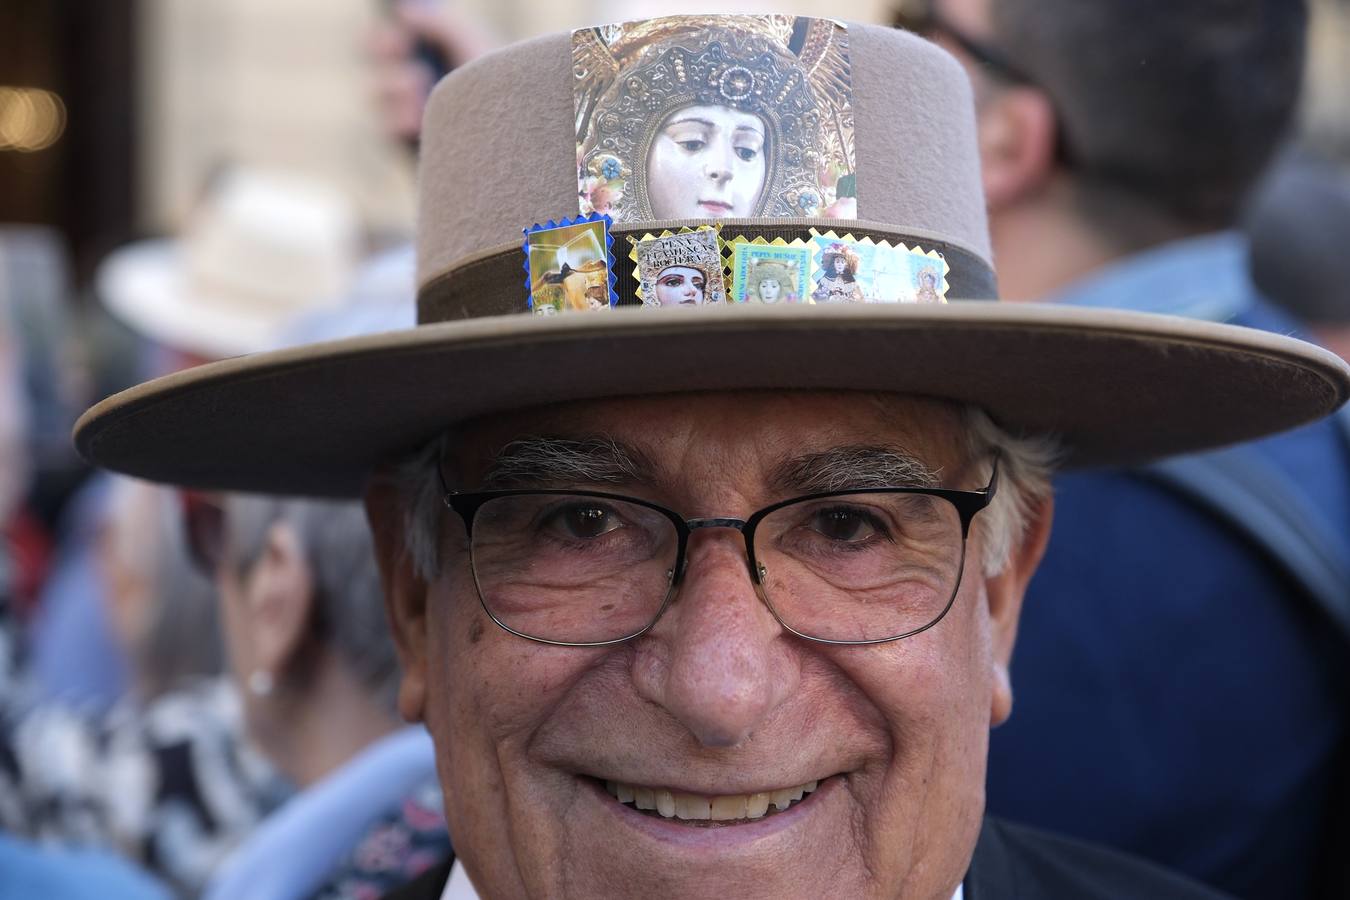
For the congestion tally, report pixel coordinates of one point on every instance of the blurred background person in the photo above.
(261, 249)
(1119, 142)
(165, 777)
(1299, 228)
(308, 646)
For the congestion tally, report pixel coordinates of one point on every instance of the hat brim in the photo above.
(147, 286)
(1116, 387)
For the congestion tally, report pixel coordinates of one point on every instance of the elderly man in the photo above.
(716, 600)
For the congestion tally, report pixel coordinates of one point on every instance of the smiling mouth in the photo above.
(698, 809)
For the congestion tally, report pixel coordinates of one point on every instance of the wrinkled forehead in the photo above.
(749, 438)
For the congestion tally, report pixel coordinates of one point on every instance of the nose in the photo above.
(717, 163)
(717, 661)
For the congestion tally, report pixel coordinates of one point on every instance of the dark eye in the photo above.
(844, 524)
(673, 280)
(698, 283)
(746, 153)
(692, 146)
(585, 521)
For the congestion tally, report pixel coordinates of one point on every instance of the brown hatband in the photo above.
(493, 284)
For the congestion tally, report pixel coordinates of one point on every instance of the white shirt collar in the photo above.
(460, 888)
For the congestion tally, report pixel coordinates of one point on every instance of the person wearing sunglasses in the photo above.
(1119, 140)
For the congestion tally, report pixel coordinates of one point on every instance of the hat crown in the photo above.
(501, 150)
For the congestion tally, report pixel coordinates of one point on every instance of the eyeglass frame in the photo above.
(923, 18)
(966, 502)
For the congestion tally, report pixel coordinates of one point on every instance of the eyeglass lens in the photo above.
(582, 569)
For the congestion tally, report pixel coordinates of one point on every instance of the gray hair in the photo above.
(348, 606)
(1025, 465)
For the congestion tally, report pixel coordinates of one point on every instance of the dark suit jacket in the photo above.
(1011, 862)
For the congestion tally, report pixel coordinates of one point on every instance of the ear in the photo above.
(280, 597)
(1018, 133)
(405, 595)
(1005, 592)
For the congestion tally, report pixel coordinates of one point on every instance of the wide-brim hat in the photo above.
(516, 138)
(264, 249)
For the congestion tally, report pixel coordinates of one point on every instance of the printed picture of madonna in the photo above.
(707, 162)
(681, 286)
(839, 277)
(714, 117)
(771, 282)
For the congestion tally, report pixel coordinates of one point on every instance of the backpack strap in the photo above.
(1240, 486)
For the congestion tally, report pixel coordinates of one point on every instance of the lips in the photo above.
(668, 803)
(715, 207)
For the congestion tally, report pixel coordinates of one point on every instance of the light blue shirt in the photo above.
(291, 854)
(1203, 277)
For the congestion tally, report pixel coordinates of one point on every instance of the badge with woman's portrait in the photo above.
(683, 269)
(568, 266)
(853, 270)
(715, 117)
(764, 272)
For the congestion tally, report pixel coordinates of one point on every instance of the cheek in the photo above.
(933, 691)
(668, 167)
(491, 690)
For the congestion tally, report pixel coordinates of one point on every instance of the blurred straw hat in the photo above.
(264, 248)
(501, 151)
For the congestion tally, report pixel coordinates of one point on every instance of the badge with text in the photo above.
(765, 272)
(764, 103)
(568, 266)
(680, 268)
(849, 270)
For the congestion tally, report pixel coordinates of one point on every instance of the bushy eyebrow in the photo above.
(852, 467)
(546, 462)
(559, 462)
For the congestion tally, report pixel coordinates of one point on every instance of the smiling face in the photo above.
(769, 290)
(707, 162)
(716, 703)
(679, 285)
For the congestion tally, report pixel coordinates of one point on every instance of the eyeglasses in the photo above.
(922, 18)
(588, 568)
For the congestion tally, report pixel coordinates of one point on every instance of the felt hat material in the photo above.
(501, 153)
(264, 248)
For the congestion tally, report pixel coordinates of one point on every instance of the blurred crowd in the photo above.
(196, 690)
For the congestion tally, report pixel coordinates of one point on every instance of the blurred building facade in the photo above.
(147, 98)
(1326, 113)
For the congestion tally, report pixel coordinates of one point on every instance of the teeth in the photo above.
(691, 806)
(694, 807)
(725, 809)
